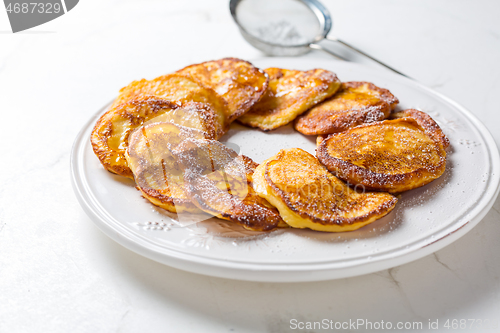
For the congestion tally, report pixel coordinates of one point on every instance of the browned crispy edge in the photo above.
(307, 127)
(164, 201)
(386, 104)
(257, 223)
(98, 137)
(250, 101)
(377, 181)
(426, 122)
(320, 139)
(385, 94)
(381, 211)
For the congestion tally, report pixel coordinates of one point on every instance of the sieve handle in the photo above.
(366, 55)
(319, 47)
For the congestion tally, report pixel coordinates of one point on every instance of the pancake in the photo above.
(308, 196)
(156, 172)
(219, 182)
(237, 81)
(179, 90)
(391, 155)
(111, 133)
(355, 103)
(290, 93)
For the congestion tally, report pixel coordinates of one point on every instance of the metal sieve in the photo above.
(287, 27)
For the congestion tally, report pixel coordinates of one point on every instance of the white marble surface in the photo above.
(59, 273)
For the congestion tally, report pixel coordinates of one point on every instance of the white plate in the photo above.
(424, 220)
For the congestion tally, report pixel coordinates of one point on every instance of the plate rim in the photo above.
(274, 272)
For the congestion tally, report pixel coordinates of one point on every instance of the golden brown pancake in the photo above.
(426, 122)
(355, 103)
(178, 89)
(156, 172)
(391, 155)
(290, 93)
(237, 81)
(218, 181)
(308, 196)
(110, 135)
